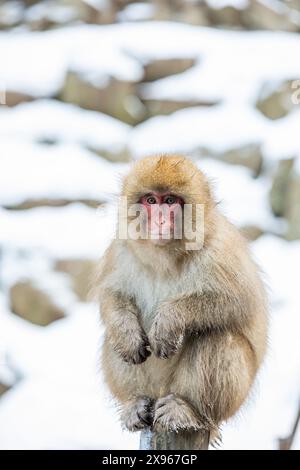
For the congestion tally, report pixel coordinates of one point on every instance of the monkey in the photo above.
(185, 329)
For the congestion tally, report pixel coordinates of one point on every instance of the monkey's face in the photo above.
(161, 217)
(163, 201)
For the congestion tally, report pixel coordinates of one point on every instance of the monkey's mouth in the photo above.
(160, 237)
(160, 234)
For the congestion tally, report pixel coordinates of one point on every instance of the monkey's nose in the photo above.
(161, 222)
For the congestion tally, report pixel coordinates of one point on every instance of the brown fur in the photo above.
(202, 313)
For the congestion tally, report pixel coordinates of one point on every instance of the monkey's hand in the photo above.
(167, 333)
(131, 344)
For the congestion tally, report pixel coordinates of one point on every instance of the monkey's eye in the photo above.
(151, 200)
(171, 200)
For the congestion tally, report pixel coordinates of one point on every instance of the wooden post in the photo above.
(174, 441)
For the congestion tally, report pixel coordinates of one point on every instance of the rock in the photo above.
(31, 2)
(194, 13)
(3, 388)
(164, 107)
(280, 187)
(249, 156)
(47, 202)
(276, 103)
(265, 15)
(81, 272)
(225, 16)
(33, 304)
(292, 211)
(119, 4)
(285, 196)
(252, 232)
(13, 98)
(55, 13)
(160, 68)
(92, 12)
(198, 12)
(292, 4)
(164, 9)
(116, 97)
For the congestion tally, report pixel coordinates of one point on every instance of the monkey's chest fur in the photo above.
(148, 294)
(149, 290)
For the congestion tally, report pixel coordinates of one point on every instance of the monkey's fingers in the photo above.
(137, 356)
(141, 355)
(133, 348)
(165, 347)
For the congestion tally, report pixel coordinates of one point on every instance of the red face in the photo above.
(163, 211)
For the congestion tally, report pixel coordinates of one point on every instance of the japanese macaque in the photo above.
(185, 329)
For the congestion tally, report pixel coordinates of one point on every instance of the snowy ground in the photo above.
(59, 399)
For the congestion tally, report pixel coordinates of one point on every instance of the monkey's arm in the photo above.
(213, 310)
(196, 313)
(123, 330)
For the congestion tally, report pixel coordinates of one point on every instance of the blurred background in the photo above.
(86, 86)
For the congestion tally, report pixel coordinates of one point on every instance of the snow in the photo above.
(137, 12)
(226, 72)
(71, 408)
(101, 4)
(54, 120)
(56, 13)
(217, 129)
(71, 403)
(243, 199)
(73, 231)
(33, 171)
(46, 57)
(239, 4)
(100, 52)
(274, 407)
(117, 50)
(38, 71)
(281, 139)
(63, 382)
(58, 399)
(11, 13)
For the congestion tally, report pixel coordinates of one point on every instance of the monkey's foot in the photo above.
(173, 413)
(138, 414)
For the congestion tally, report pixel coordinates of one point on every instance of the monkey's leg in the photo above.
(124, 380)
(129, 385)
(215, 373)
(137, 413)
